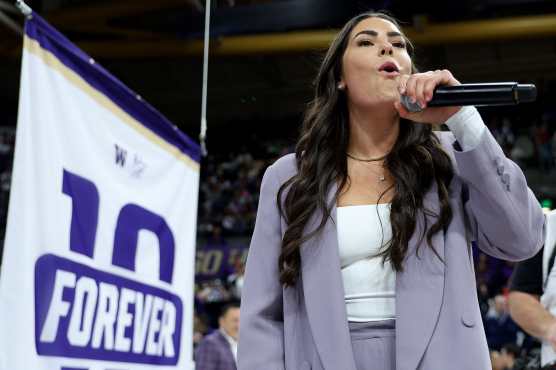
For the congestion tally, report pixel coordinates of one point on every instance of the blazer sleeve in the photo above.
(505, 217)
(261, 331)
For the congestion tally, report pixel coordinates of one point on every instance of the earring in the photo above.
(341, 86)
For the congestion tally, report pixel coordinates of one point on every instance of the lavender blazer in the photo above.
(214, 353)
(438, 323)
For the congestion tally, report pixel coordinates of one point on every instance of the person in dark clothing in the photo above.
(218, 350)
(526, 289)
(499, 326)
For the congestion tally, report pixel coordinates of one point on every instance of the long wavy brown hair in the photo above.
(415, 161)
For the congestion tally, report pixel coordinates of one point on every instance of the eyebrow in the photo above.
(374, 33)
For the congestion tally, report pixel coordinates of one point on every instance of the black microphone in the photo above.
(479, 94)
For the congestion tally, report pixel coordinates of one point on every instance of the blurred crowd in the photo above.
(528, 145)
(229, 189)
(506, 341)
(7, 144)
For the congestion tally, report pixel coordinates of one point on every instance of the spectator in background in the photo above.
(483, 295)
(531, 312)
(504, 135)
(218, 350)
(213, 291)
(493, 272)
(199, 329)
(215, 237)
(235, 280)
(509, 353)
(499, 327)
(495, 360)
(505, 359)
(523, 150)
(544, 146)
(483, 271)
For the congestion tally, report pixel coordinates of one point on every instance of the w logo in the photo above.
(121, 155)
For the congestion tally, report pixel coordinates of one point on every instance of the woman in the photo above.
(360, 258)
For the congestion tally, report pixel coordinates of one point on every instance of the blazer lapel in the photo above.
(419, 291)
(227, 347)
(324, 293)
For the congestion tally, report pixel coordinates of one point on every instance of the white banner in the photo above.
(98, 266)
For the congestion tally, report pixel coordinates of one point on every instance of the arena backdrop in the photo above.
(100, 245)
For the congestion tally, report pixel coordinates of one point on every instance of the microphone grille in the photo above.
(411, 107)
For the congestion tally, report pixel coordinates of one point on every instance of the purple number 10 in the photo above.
(131, 219)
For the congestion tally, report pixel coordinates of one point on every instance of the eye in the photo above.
(399, 45)
(364, 43)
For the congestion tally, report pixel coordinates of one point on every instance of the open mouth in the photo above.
(389, 68)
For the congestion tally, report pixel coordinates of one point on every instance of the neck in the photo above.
(373, 132)
(227, 334)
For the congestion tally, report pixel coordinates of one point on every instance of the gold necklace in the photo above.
(381, 178)
(367, 160)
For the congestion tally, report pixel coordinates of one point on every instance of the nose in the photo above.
(386, 49)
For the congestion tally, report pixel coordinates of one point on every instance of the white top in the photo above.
(370, 287)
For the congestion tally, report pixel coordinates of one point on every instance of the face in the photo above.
(372, 43)
(496, 360)
(507, 358)
(230, 322)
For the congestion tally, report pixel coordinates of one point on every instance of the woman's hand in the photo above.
(420, 87)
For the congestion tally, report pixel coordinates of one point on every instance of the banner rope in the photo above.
(203, 134)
